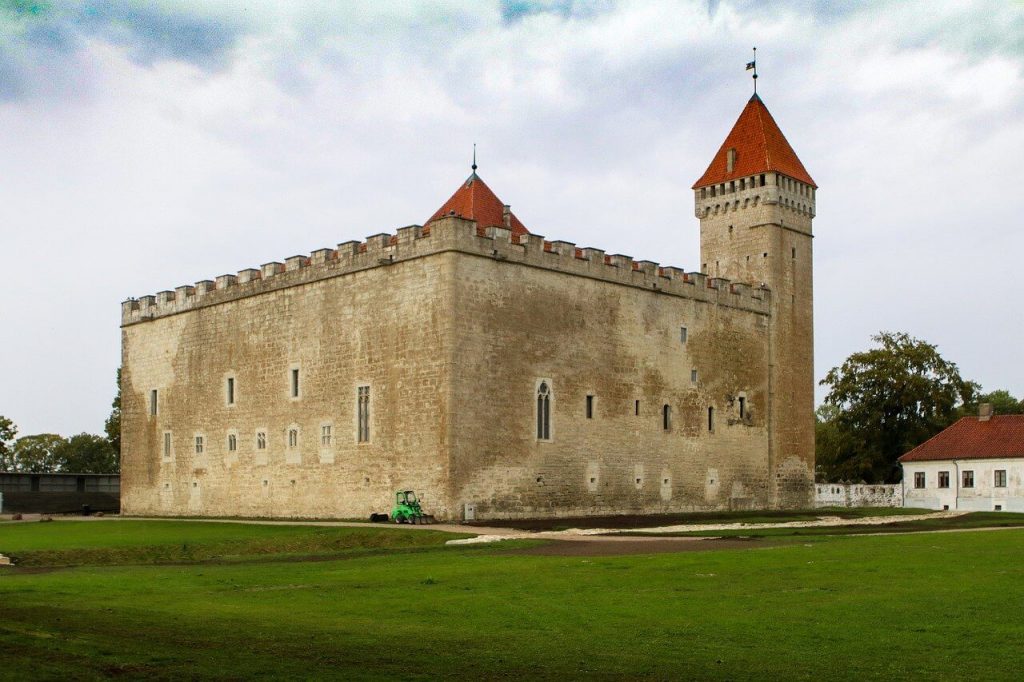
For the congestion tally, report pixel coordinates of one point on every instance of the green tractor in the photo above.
(407, 509)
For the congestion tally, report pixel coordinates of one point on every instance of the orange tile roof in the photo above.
(760, 147)
(474, 200)
(970, 438)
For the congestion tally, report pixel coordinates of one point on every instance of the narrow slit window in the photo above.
(153, 402)
(636, 408)
(743, 407)
(793, 251)
(682, 335)
(711, 419)
(231, 390)
(590, 407)
(363, 414)
(295, 383)
(666, 417)
(543, 411)
(167, 444)
(693, 376)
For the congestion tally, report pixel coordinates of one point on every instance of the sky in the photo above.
(148, 145)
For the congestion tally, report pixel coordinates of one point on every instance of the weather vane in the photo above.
(753, 65)
(474, 157)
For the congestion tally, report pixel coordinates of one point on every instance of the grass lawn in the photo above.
(938, 606)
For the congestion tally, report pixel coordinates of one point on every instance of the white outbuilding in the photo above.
(976, 464)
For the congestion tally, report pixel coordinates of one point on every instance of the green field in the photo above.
(367, 606)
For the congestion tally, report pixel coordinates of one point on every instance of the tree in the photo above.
(888, 400)
(112, 426)
(7, 433)
(1001, 400)
(37, 453)
(87, 454)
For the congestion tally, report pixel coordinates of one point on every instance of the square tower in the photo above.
(756, 203)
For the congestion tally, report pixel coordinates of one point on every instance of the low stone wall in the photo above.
(858, 495)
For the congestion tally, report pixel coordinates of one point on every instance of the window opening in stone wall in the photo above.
(666, 417)
(232, 442)
(943, 479)
(543, 412)
(693, 376)
(152, 402)
(794, 253)
(261, 440)
(590, 407)
(919, 479)
(711, 419)
(231, 390)
(762, 180)
(968, 479)
(636, 408)
(325, 435)
(682, 335)
(293, 438)
(167, 444)
(1000, 478)
(199, 445)
(363, 414)
(743, 407)
(295, 383)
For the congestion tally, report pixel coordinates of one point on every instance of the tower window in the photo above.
(543, 411)
(693, 376)
(666, 417)
(794, 253)
(325, 435)
(232, 442)
(711, 419)
(199, 445)
(153, 402)
(743, 407)
(295, 382)
(293, 438)
(363, 414)
(231, 391)
(261, 440)
(590, 407)
(636, 408)
(682, 335)
(167, 444)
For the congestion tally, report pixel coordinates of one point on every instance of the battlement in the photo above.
(765, 188)
(449, 234)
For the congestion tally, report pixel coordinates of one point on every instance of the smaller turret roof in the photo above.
(474, 200)
(760, 147)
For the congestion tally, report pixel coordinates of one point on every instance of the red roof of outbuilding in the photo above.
(971, 438)
(474, 200)
(760, 147)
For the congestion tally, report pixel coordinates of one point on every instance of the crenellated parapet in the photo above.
(448, 234)
(765, 188)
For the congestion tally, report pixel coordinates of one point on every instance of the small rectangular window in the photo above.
(231, 391)
(711, 419)
(1000, 478)
(363, 414)
(794, 253)
(682, 334)
(666, 417)
(153, 402)
(325, 435)
(693, 376)
(636, 407)
(199, 445)
(743, 407)
(919, 479)
(167, 444)
(295, 383)
(261, 440)
(232, 442)
(943, 479)
(968, 479)
(590, 407)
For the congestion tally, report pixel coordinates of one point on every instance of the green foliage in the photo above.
(36, 453)
(7, 433)
(885, 401)
(1001, 400)
(112, 427)
(87, 454)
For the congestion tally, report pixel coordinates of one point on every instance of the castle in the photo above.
(495, 372)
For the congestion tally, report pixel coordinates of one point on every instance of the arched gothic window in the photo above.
(543, 411)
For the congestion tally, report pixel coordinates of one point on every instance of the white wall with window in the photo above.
(965, 484)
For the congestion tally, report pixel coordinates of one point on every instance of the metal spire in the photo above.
(474, 157)
(753, 65)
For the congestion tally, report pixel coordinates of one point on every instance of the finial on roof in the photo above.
(753, 65)
(474, 157)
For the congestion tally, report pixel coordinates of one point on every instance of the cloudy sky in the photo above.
(148, 145)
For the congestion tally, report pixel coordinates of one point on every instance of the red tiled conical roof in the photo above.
(971, 438)
(760, 147)
(474, 200)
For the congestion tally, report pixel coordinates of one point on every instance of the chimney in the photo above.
(984, 412)
(506, 216)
